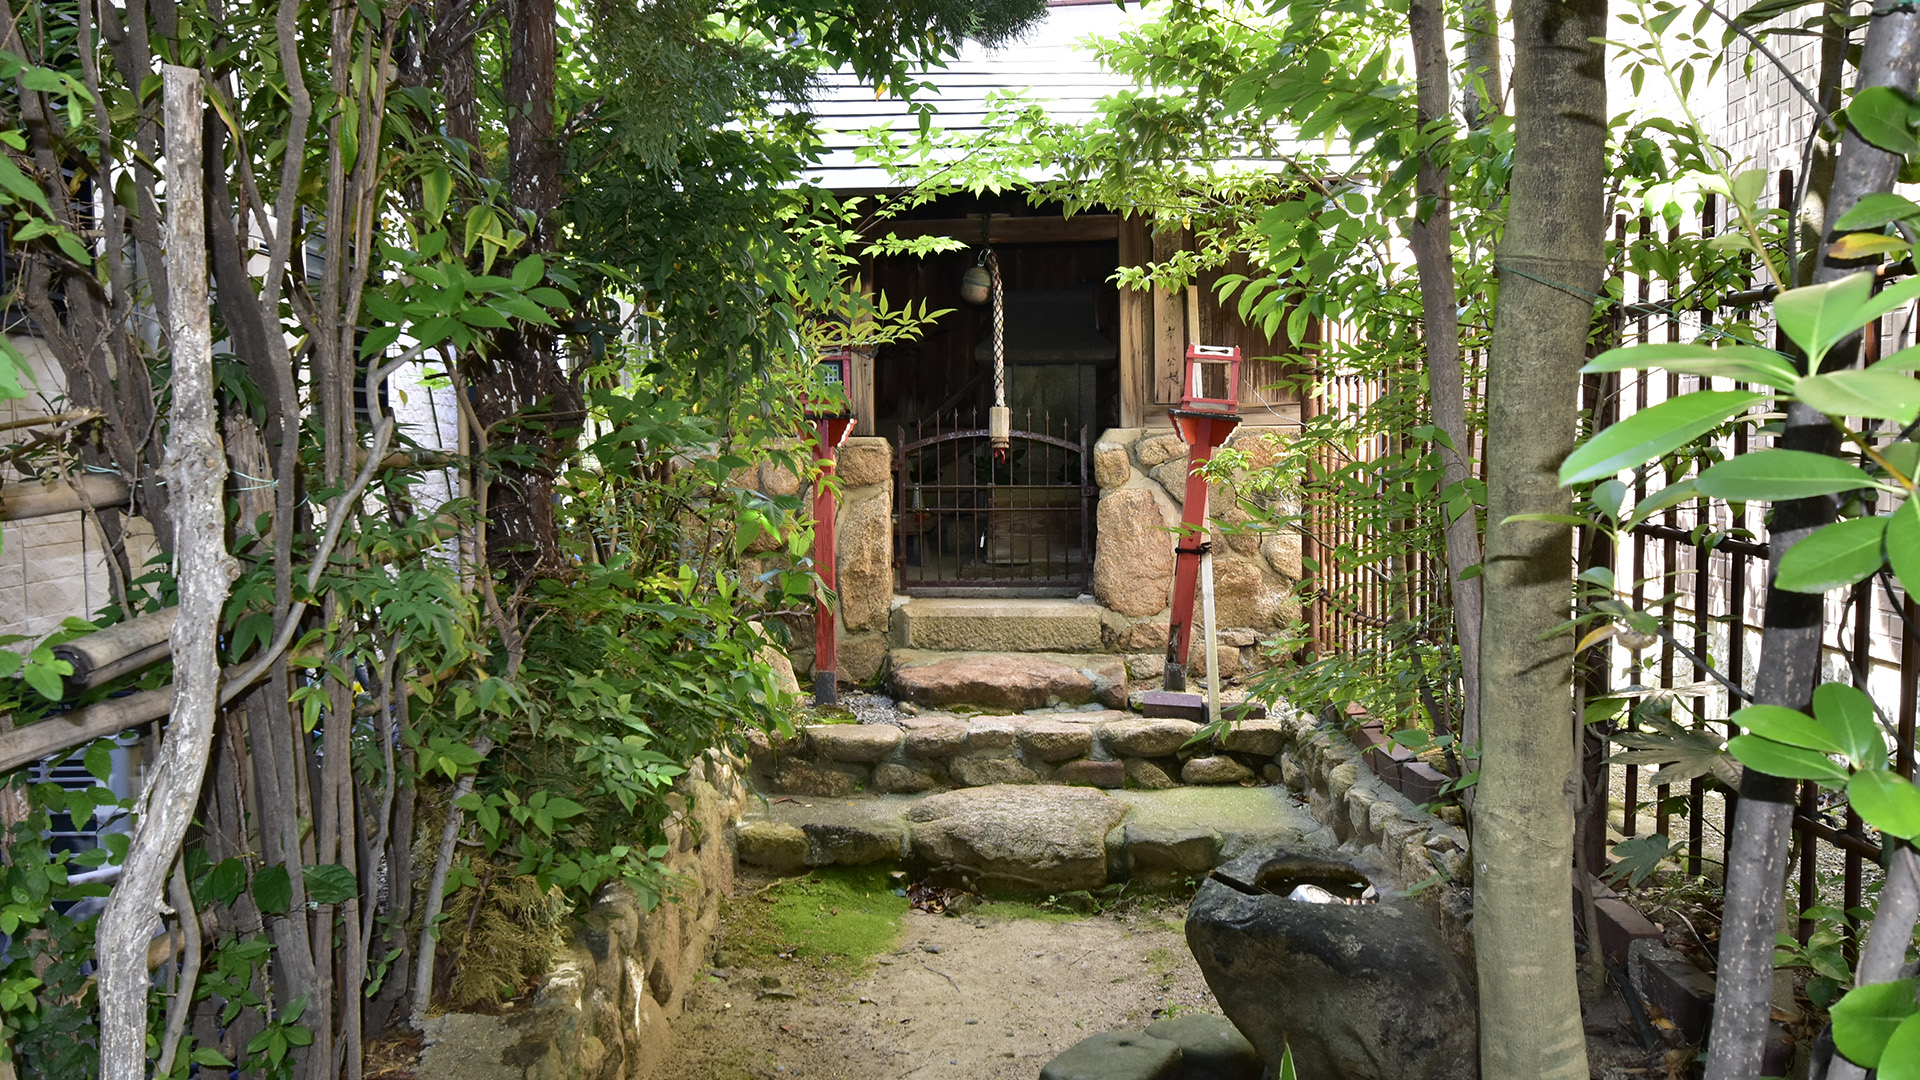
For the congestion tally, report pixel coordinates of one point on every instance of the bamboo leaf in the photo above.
(1780, 474)
(1778, 759)
(1836, 555)
(1887, 801)
(1652, 433)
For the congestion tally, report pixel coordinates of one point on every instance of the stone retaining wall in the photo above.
(1366, 815)
(1103, 748)
(606, 1006)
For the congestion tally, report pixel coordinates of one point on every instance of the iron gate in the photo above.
(969, 522)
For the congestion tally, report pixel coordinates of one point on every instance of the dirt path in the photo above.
(966, 998)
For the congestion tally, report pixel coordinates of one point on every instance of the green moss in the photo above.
(839, 917)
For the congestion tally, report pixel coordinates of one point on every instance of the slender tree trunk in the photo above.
(196, 471)
(1790, 640)
(1486, 90)
(1551, 263)
(1430, 233)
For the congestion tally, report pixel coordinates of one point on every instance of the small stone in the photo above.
(772, 845)
(1147, 776)
(1271, 773)
(1214, 770)
(829, 780)
(1100, 774)
(1211, 1048)
(1116, 1055)
(854, 742)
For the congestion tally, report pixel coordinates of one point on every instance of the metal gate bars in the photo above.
(968, 523)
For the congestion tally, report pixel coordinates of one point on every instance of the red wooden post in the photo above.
(831, 424)
(1207, 415)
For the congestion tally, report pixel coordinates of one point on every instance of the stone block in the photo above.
(1211, 1048)
(1100, 774)
(1421, 782)
(1147, 775)
(993, 732)
(1052, 740)
(864, 559)
(1145, 738)
(1262, 738)
(825, 779)
(1133, 553)
(1214, 770)
(1164, 850)
(1156, 449)
(1047, 838)
(864, 461)
(968, 770)
(994, 681)
(892, 779)
(851, 842)
(866, 743)
(1116, 1055)
(772, 845)
(935, 738)
(862, 657)
(1111, 466)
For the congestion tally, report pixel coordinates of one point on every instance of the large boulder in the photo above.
(1358, 992)
(1211, 1048)
(1133, 553)
(1027, 838)
(1013, 683)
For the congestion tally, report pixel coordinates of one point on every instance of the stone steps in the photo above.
(1092, 747)
(1030, 838)
(1007, 682)
(1021, 625)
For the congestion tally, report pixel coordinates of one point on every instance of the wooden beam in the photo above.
(1136, 328)
(94, 490)
(1038, 229)
(118, 649)
(1169, 326)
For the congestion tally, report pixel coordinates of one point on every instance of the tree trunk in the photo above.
(1551, 262)
(196, 469)
(1790, 640)
(1485, 92)
(1430, 234)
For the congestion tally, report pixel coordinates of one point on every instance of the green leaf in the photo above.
(1836, 555)
(1778, 759)
(436, 188)
(1671, 495)
(1818, 315)
(1731, 362)
(17, 183)
(1789, 726)
(528, 272)
(1887, 801)
(46, 679)
(1749, 186)
(1879, 114)
(1781, 474)
(1865, 1019)
(1847, 714)
(1638, 858)
(1876, 209)
(1903, 546)
(273, 890)
(1901, 1058)
(330, 884)
(1872, 393)
(1652, 433)
(223, 883)
(99, 760)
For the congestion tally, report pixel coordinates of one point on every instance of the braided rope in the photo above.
(999, 331)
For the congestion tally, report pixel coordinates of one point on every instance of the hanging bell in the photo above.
(976, 285)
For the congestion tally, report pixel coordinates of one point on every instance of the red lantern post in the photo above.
(829, 425)
(1209, 411)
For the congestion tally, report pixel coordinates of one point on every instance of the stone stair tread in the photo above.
(1008, 682)
(1003, 625)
